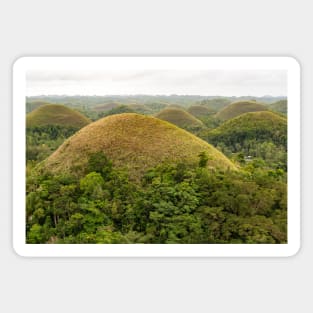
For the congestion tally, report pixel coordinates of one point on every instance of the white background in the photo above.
(210, 28)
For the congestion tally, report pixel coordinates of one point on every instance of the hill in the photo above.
(250, 128)
(180, 118)
(216, 104)
(140, 108)
(279, 106)
(118, 110)
(134, 141)
(199, 111)
(55, 114)
(32, 105)
(106, 106)
(240, 107)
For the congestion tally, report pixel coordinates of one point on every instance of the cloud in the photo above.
(215, 82)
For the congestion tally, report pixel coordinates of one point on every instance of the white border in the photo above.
(160, 250)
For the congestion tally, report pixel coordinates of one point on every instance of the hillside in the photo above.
(140, 108)
(257, 126)
(106, 106)
(180, 118)
(240, 107)
(118, 110)
(215, 104)
(134, 141)
(55, 114)
(199, 111)
(32, 105)
(279, 106)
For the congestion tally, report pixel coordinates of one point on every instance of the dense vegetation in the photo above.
(41, 141)
(118, 110)
(170, 204)
(256, 134)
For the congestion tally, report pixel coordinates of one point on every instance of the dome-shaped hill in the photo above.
(32, 105)
(279, 106)
(199, 110)
(258, 126)
(180, 118)
(240, 107)
(134, 141)
(55, 114)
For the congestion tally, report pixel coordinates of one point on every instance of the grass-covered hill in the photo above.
(240, 107)
(180, 118)
(135, 142)
(57, 115)
(260, 135)
(199, 111)
(279, 106)
(262, 125)
(32, 105)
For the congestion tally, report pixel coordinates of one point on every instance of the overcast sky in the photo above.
(157, 82)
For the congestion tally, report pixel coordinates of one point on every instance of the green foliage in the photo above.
(255, 134)
(98, 162)
(173, 203)
(41, 141)
(118, 110)
(203, 159)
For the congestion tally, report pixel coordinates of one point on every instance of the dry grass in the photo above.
(240, 107)
(179, 118)
(55, 114)
(134, 141)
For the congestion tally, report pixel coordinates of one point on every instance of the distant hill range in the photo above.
(214, 102)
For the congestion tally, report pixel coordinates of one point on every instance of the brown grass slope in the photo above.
(238, 108)
(199, 111)
(55, 114)
(179, 118)
(135, 142)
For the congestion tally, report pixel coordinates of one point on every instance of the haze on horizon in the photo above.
(158, 82)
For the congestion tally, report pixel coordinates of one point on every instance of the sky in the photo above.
(158, 82)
